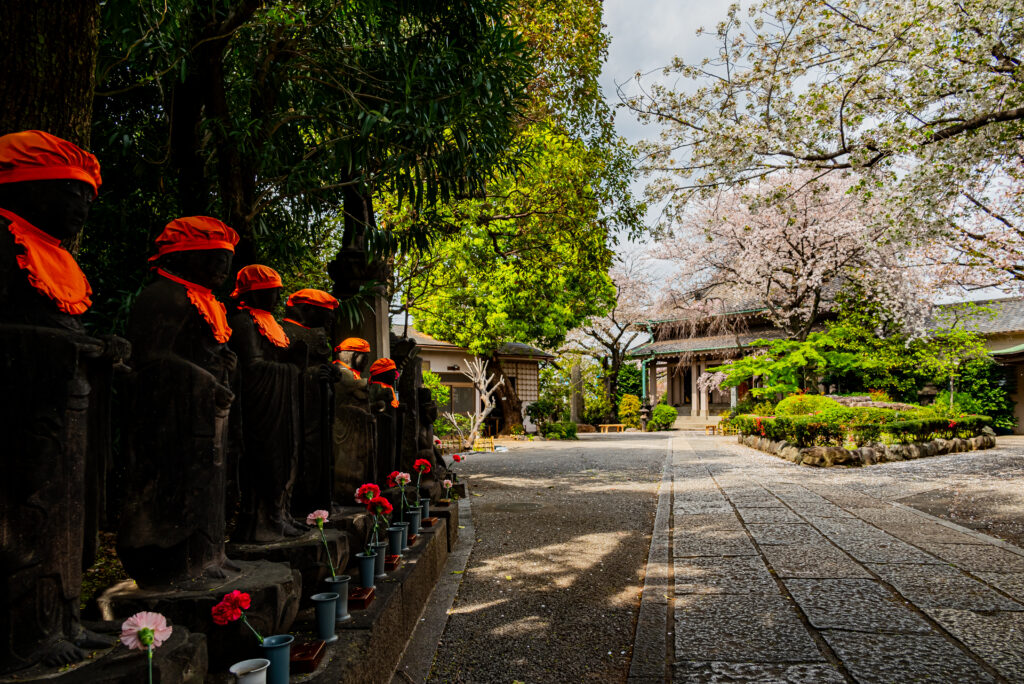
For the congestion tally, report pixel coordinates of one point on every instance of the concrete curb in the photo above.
(418, 657)
(650, 643)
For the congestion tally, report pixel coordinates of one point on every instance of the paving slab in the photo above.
(736, 575)
(941, 586)
(889, 658)
(1011, 583)
(854, 604)
(707, 522)
(768, 515)
(996, 637)
(785, 673)
(780, 533)
(815, 561)
(759, 629)
(978, 557)
(712, 543)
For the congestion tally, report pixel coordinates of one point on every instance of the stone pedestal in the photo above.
(305, 554)
(354, 522)
(274, 587)
(182, 658)
(450, 514)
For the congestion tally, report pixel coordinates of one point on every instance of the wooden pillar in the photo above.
(652, 380)
(704, 394)
(694, 397)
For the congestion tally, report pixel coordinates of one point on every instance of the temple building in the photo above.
(715, 329)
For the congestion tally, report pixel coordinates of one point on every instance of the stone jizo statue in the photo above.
(173, 523)
(52, 379)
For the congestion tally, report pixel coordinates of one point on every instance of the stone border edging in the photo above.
(868, 455)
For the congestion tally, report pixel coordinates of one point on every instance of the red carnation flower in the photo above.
(457, 457)
(224, 612)
(238, 599)
(380, 506)
(367, 493)
(392, 479)
(422, 465)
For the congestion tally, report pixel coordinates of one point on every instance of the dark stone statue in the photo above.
(53, 380)
(269, 399)
(355, 429)
(308, 328)
(382, 399)
(173, 523)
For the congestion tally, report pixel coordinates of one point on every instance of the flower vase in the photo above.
(405, 535)
(252, 671)
(278, 650)
(381, 549)
(339, 585)
(414, 521)
(395, 540)
(325, 612)
(425, 503)
(367, 569)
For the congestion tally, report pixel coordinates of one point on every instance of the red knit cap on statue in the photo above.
(355, 344)
(37, 155)
(195, 233)
(314, 298)
(382, 366)
(255, 277)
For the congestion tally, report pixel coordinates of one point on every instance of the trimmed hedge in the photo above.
(860, 426)
(662, 418)
(565, 429)
(805, 404)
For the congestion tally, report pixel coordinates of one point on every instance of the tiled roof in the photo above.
(701, 344)
(1007, 316)
(507, 349)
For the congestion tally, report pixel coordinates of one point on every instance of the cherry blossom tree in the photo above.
(922, 101)
(788, 244)
(609, 338)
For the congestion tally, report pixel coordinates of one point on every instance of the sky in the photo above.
(645, 36)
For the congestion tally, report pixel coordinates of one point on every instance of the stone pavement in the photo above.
(784, 573)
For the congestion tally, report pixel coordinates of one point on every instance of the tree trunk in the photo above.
(575, 393)
(48, 52)
(506, 397)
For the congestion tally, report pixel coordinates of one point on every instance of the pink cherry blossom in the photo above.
(154, 622)
(313, 517)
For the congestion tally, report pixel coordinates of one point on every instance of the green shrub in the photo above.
(764, 408)
(597, 410)
(542, 411)
(438, 392)
(805, 404)
(444, 428)
(662, 418)
(561, 430)
(629, 411)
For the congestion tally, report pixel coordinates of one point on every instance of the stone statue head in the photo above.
(312, 308)
(57, 207)
(207, 267)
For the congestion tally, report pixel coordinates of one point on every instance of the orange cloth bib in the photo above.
(354, 371)
(394, 397)
(268, 327)
(212, 311)
(50, 268)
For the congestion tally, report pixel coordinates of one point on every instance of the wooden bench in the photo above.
(612, 427)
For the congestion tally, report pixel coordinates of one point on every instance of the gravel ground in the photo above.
(552, 588)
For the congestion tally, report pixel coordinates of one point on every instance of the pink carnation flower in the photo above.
(155, 622)
(403, 478)
(313, 517)
(447, 484)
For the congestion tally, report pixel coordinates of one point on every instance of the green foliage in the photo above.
(629, 411)
(555, 384)
(441, 394)
(803, 404)
(983, 388)
(443, 426)
(858, 426)
(279, 118)
(762, 408)
(630, 382)
(543, 410)
(561, 430)
(662, 418)
(598, 410)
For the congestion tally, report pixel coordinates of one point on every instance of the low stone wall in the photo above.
(866, 455)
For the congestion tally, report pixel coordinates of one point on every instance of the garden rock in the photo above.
(813, 456)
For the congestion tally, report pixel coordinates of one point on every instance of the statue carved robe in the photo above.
(355, 429)
(269, 399)
(173, 523)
